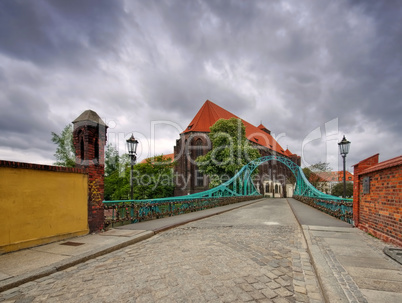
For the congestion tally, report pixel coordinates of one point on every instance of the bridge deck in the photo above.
(253, 253)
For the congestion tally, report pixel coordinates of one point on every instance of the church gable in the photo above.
(209, 113)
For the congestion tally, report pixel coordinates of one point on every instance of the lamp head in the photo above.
(132, 144)
(344, 146)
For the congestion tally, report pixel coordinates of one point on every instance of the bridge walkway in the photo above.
(256, 252)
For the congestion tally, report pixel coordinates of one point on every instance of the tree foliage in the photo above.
(337, 189)
(115, 167)
(112, 159)
(230, 151)
(153, 179)
(65, 152)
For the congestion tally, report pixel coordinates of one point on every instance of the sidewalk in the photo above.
(30, 264)
(351, 265)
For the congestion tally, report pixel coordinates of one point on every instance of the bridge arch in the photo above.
(242, 184)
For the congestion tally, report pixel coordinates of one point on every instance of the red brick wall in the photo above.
(91, 136)
(380, 210)
(13, 164)
(96, 215)
(362, 165)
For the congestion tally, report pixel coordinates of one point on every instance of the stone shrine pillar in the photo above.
(89, 137)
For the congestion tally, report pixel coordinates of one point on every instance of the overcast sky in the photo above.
(310, 71)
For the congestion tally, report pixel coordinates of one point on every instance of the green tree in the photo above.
(116, 185)
(112, 159)
(65, 152)
(153, 179)
(337, 189)
(230, 151)
(115, 171)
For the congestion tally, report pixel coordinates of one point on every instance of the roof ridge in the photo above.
(211, 107)
(196, 117)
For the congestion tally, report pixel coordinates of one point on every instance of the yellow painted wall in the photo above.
(38, 207)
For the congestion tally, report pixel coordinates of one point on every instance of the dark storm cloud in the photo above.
(294, 65)
(227, 34)
(358, 72)
(24, 120)
(58, 31)
(40, 40)
(27, 111)
(203, 33)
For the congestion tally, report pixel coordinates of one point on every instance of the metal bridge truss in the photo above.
(239, 188)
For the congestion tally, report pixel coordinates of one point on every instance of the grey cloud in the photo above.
(57, 32)
(336, 42)
(294, 65)
(23, 112)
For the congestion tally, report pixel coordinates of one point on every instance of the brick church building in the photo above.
(273, 176)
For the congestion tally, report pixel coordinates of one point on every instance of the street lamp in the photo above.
(132, 144)
(344, 146)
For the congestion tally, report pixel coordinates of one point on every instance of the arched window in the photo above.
(96, 148)
(199, 178)
(198, 150)
(267, 187)
(82, 149)
(276, 188)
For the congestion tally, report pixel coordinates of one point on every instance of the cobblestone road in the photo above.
(252, 254)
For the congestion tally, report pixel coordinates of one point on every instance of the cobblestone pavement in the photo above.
(253, 254)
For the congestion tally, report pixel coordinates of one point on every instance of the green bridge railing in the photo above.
(239, 188)
(123, 211)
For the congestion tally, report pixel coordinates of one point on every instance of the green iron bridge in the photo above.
(239, 188)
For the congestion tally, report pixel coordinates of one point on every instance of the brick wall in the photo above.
(95, 198)
(89, 138)
(362, 165)
(33, 166)
(379, 211)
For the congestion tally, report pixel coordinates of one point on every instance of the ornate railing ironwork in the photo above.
(341, 209)
(239, 188)
(125, 212)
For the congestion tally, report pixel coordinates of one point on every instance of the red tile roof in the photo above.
(314, 177)
(334, 176)
(165, 157)
(210, 113)
(383, 165)
(262, 127)
(288, 152)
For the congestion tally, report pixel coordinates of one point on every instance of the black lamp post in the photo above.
(344, 146)
(132, 144)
